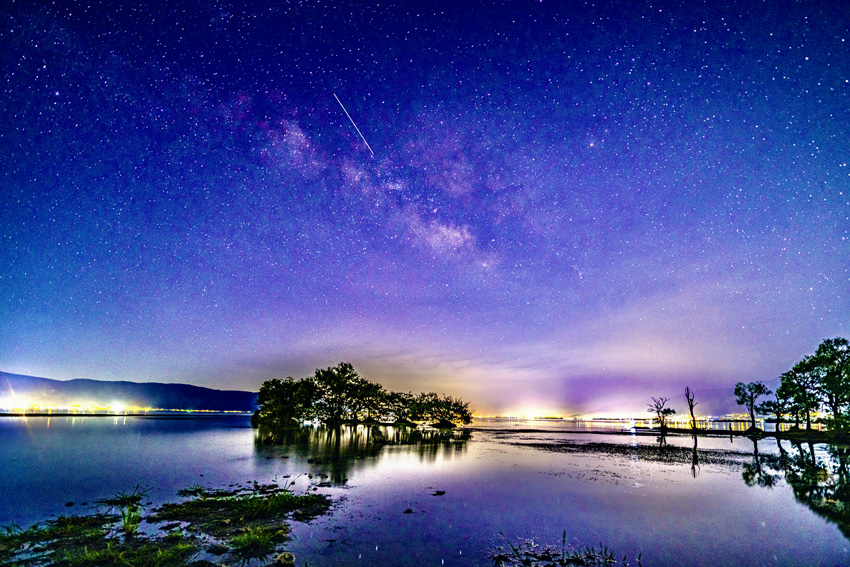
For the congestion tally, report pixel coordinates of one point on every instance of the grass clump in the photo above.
(255, 543)
(129, 505)
(529, 554)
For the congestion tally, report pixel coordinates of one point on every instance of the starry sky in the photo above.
(554, 207)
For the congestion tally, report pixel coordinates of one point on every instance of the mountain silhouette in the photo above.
(102, 393)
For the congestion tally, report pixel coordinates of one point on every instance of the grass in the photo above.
(53, 537)
(129, 505)
(528, 554)
(249, 519)
(217, 511)
(152, 554)
(255, 543)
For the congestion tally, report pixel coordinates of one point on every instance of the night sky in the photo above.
(571, 206)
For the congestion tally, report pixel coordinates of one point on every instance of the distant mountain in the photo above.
(100, 393)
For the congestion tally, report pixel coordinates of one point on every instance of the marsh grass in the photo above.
(529, 554)
(29, 546)
(217, 511)
(149, 554)
(250, 519)
(255, 543)
(129, 506)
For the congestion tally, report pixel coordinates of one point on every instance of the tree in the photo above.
(778, 407)
(451, 411)
(336, 387)
(338, 394)
(831, 366)
(444, 411)
(785, 398)
(365, 399)
(284, 403)
(689, 395)
(800, 385)
(397, 407)
(748, 394)
(661, 412)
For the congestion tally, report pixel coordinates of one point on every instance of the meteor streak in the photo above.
(353, 124)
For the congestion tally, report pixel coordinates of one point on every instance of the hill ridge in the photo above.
(65, 393)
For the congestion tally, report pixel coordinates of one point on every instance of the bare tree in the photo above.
(689, 395)
(657, 407)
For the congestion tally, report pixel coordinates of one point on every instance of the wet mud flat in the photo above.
(656, 453)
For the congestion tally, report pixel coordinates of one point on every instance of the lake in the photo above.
(428, 499)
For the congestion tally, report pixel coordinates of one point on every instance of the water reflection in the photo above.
(762, 470)
(334, 452)
(820, 481)
(695, 459)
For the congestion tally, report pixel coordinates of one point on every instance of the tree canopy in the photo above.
(748, 395)
(819, 383)
(338, 394)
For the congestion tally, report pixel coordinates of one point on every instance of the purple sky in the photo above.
(571, 206)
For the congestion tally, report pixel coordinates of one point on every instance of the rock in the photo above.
(285, 559)
(408, 511)
(438, 493)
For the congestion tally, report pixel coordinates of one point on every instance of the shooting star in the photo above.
(353, 124)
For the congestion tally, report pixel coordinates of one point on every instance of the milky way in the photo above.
(570, 206)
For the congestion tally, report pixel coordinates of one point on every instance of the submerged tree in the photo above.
(284, 403)
(748, 395)
(661, 412)
(336, 388)
(442, 411)
(338, 394)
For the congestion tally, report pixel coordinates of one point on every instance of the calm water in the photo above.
(508, 481)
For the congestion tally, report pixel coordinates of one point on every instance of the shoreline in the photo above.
(802, 435)
(184, 414)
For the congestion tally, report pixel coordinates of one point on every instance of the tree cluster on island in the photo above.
(818, 383)
(338, 395)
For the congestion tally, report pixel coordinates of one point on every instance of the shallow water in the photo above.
(505, 483)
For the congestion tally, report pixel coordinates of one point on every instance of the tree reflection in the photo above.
(760, 472)
(821, 484)
(695, 459)
(818, 480)
(337, 450)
